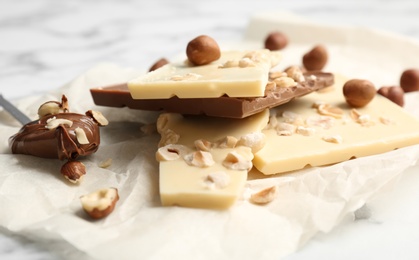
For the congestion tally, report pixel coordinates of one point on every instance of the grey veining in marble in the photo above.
(46, 43)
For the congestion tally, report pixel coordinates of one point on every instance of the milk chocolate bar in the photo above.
(231, 107)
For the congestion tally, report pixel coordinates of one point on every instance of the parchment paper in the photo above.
(38, 203)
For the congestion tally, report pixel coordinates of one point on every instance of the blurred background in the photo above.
(46, 43)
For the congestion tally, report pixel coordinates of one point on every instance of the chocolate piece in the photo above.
(119, 96)
(63, 135)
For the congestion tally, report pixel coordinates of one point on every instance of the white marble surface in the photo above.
(46, 43)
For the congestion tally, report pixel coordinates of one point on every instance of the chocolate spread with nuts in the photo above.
(61, 142)
(58, 133)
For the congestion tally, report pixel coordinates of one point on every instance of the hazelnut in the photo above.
(358, 92)
(316, 58)
(264, 196)
(203, 50)
(100, 203)
(409, 80)
(73, 171)
(393, 93)
(276, 41)
(158, 64)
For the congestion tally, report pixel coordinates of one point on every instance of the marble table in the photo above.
(46, 43)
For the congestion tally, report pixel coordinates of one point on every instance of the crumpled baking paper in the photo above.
(38, 203)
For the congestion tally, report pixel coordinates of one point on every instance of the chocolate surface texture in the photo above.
(61, 141)
(35, 139)
(119, 96)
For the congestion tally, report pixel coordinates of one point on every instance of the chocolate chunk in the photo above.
(119, 96)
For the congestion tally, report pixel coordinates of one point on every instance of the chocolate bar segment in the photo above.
(231, 107)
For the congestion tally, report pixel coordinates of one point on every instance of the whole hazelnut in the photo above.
(358, 92)
(73, 171)
(276, 41)
(409, 80)
(203, 50)
(316, 58)
(393, 93)
(158, 64)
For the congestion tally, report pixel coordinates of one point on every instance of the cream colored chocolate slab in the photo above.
(241, 77)
(385, 127)
(191, 128)
(187, 185)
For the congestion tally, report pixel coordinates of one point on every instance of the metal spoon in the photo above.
(14, 111)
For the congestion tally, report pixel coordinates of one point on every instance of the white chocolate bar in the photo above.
(236, 73)
(216, 185)
(381, 126)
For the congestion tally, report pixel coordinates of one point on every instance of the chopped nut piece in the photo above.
(199, 159)
(355, 114)
(203, 145)
(54, 122)
(98, 117)
(295, 73)
(50, 108)
(236, 161)
(386, 121)
(282, 126)
(324, 122)
(292, 118)
(81, 136)
(285, 82)
(106, 163)
(273, 122)
(217, 180)
(246, 62)
(228, 142)
(364, 120)
(264, 196)
(256, 56)
(100, 203)
(171, 152)
(306, 131)
(270, 86)
(229, 64)
(187, 76)
(337, 139)
(162, 122)
(255, 141)
(328, 110)
(277, 74)
(168, 137)
(284, 133)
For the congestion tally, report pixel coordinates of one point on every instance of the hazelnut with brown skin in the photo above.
(158, 64)
(393, 93)
(100, 203)
(203, 50)
(316, 58)
(73, 171)
(409, 80)
(276, 41)
(358, 92)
